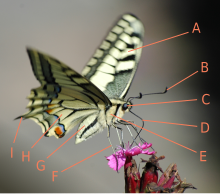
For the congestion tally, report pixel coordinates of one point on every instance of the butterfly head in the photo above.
(125, 107)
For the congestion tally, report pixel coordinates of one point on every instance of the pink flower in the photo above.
(122, 153)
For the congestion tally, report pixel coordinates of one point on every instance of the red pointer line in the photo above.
(46, 131)
(156, 134)
(163, 102)
(65, 142)
(17, 130)
(159, 41)
(171, 123)
(183, 80)
(86, 158)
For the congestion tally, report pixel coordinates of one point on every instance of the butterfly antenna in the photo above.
(141, 95)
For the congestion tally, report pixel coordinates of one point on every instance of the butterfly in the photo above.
(91, 98)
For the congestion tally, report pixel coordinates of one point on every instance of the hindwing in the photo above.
(62, 92)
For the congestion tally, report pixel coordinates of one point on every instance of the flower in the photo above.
(122, 153)
(150, 174)
(132, 176)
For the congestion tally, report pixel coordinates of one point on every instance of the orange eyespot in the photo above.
(59, 132)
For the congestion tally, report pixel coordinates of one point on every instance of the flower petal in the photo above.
(122, 153)
(113, 163)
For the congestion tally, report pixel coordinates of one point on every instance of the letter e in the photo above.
(202, 156)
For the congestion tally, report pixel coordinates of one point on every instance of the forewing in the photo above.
(112, 67)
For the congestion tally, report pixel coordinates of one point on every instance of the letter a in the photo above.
(196, 29)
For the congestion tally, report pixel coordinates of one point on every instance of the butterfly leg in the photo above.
(120, 139)
(126, 123)
(108, 136)
(143, 141)
(136, 130)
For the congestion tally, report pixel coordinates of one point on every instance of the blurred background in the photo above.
(71, 31)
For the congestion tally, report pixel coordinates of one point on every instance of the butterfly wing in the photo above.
(62, 92)
(85, 99)
(112, 67)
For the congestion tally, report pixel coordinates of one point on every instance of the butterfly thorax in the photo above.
(117, 110)
(103, 118)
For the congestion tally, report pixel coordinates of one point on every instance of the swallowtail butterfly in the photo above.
(87, 99)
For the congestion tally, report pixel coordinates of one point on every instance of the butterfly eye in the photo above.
(124, 106)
